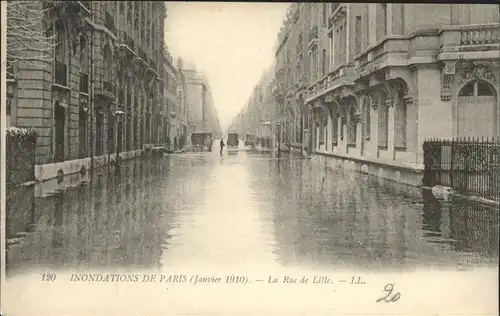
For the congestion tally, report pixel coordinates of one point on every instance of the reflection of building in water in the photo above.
(114, 221)
(356, 222)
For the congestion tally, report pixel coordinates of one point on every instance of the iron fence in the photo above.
(469, 166)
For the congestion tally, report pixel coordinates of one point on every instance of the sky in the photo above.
(231, 43)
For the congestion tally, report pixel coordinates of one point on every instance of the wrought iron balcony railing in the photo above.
(84, 82)
(61, 74)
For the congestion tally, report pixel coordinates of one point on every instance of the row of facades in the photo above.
(117, 90)
(362, 85)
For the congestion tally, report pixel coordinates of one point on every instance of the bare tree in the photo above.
(31, 36)
(28, 37)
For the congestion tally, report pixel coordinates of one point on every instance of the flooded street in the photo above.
(242, 209)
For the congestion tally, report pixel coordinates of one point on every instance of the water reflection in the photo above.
(235, 209)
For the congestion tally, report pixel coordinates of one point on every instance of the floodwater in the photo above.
(244, 208)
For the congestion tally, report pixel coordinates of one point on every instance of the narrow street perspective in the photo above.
(172, 136)
(244, 208)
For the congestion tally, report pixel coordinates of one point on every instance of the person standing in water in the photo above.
(221, 145)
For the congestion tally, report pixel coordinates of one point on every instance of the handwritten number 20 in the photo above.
(389, 297)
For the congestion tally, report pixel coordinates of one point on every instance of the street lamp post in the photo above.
(119, 116)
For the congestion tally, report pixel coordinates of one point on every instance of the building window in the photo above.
(107, 65)
(324, 64)
(383, 123)
(129, 12)
(331, 50)
(142, 23)
(84, 65)
(381, 26)
(99, 133)
(358, 37)
(324, 19)
(83, 129)
(367, 121)
(352, 127)
(61, 45)
(335, 126)
(136, 15)
(343, 120)
(8, 111)
(84, 61)
(111, 132)
(340, 45)
(61, 55)
(400, 121)
(476, 89)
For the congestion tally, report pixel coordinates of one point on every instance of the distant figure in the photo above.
(175, 143)
(221, 145)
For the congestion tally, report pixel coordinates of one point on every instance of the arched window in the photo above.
(477, 88)
(477, 110)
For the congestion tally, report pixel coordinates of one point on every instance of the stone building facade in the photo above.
(101, 94)
(202, 114)
(259, 116)
(382, 78)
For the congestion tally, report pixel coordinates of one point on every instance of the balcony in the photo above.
(84, 82)
(313, 35)
(343, 75)
(459, 41)
(109, 22)
(393, 50)
(61, 74)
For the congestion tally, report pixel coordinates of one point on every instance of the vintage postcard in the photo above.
(231, 158)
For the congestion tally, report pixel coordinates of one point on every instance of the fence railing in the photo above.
(469, 166)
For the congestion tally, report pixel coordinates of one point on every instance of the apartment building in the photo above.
(381, 78)
(102, 90)
(259, 116)
(202, 113)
